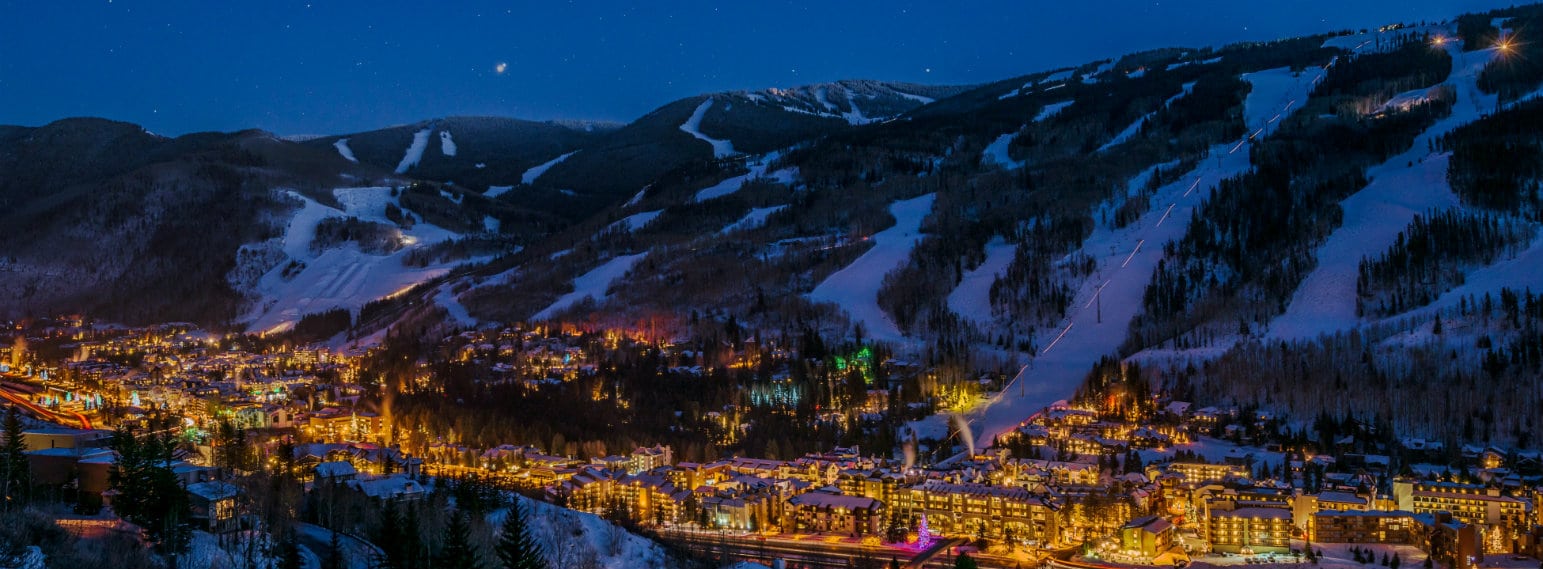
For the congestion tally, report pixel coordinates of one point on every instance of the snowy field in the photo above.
(593, 284)
(344, 151)
(856, 287)
(1409, 184)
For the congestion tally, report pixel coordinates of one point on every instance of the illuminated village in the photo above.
(1116, 477)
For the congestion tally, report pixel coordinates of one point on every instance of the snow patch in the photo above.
(996, 152)
(495, 191)
(414, 151)
(756, 218)
(530, 176)
(446, 144)
(344, 151)
(693, 127)
(1051, 110)
(633, 222)
(593, 284)
(757, 172)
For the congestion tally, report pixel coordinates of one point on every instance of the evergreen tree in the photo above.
(149, 494)
(965, 562)
(15, 478)
(290, 551)
(334, 552)
(458, 552)
(517, 548)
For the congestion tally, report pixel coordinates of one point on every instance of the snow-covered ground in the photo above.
(633, 222)
(996, 152)
(495, 191)
(855, 288)
(1106, 302)
(572, 538)
(593, 284)
(446, 298)
(342, 277)
(356, 554)
(446, 144)
(1051, 110)
(530, 176)
(1409, 184)
(693, 127)
(756, 218)
(344, 151)
(414, 151)
(757, 171)
(1519, 273)
(972, 298)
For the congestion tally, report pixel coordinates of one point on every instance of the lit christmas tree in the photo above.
(923, 535)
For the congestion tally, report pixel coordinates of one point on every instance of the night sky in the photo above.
(337, 67)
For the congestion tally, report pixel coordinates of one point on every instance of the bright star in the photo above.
(500, 67)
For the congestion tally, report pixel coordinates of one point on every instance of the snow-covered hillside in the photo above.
(1408, 184)
(757, 171)
(972, 298)
(1106, 302)
(344, 276)
(593, 284)
(855, 288)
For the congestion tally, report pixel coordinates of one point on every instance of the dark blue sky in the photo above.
(334, 67)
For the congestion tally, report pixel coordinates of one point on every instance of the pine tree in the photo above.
(964, 562)
(290, 548)
(15, 478)
(458, 553)
(517, 548)
(334, 552)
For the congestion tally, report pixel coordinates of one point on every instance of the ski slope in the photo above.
(1051, 110)
(855, 288)
(756, 218)
(1135, 127)
(341, 277)
(972, 298)
(1105, 303)
(414, 151)
(633, 222)
(996, 152)
(757, 171)
(530, 176)
(1409, 184)
(592, 284)
(344, 151)
(693, 127)
(446, 144)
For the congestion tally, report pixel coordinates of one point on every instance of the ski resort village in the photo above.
(1259, 301)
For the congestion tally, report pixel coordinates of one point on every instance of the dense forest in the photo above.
(1431, 256)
